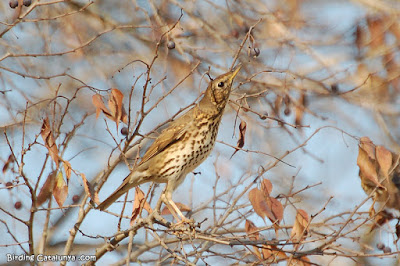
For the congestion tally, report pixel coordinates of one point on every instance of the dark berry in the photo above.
(75, 198)
(171, 45)
(9, 185)
(287, 111)
(27, 2)
(254, 52)
(387, 250)
(13, 3)
(263, 117)
(124, 131)
(380, 246)
(18, 205)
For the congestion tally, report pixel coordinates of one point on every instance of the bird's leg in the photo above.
(167, 199)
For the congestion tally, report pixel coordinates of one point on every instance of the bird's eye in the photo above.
(221, 84)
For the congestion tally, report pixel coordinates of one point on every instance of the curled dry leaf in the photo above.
(384, 158)
(116, 111)
(377, 31)
(251, 230)
(49, 140)
(367, 168)
(89, 190)
(182, 207)
(266, 187)
(266, 206)
(139, 204)
(272, 254)
(7, 164)
(302, 261)
(299, 109)
(300, 226)
(46, 190)
(368, 146)
(67, 169)
(242, 134)
(60, 190)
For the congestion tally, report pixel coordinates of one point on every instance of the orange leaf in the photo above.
(60, 190)
(182, 207)
(300, 226)
(116, 106)
(384, 158)
(377, 31)
(67, 169)
(368, 146)
(45, 192)
(367, 168)
(139, 204)
(100, 107)
(49, 140)
(251, 230)
(266, 187)
(276, 210)
(89, 190)
(257, 200)
(9, 161)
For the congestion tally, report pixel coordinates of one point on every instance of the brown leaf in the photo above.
(45, 192)
(89, 190)
(299, 109)
(300, 226)
(67, 169)
(116, 106)
(182, 207)
(49, 141)
(276, 210)
(7, 164)
(384, 158)
(367, 168)
(368, 146)
(139, 204)
(257, 200)
(242, 134)
(251, 230)
(382, 218)
(360, 38)
(60, 190)
(266, 187)
(100, 107)
(271, 254)
(376, 30)
(302, 261)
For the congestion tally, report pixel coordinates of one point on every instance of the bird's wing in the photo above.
(170, 135)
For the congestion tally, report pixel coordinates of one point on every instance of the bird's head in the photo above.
(217, 93)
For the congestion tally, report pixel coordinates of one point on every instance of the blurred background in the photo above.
(316, 76)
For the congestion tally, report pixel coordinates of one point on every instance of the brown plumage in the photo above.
(182, 146)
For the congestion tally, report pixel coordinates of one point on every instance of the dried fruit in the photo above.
(27, 2)
(75, 198)
(380, 246)
(254, 52)
(18, 205)
(9, 185)
(124, 131)
(171, 45)
(387, 250)
(13, 3)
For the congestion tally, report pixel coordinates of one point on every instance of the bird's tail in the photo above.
(129, 182)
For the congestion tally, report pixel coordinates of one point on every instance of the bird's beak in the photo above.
(234, 73)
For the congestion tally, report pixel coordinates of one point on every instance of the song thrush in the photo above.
(182, 146)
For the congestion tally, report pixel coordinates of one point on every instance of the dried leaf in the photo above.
(377, 32)
(276, 210)
(182, 207)
(368, 146)
(7, 164)
(302, 261)
(359, 38)
(60, 190)
(251, 230)
(67, 169)
(300, 226)
(271, 253)
(384, 158)
(381, 218)
(49, 141)
(97, 101)
(367, 169)
(117, 111)
(242, 134)
(89, 190)
(46, 190)
(299, 109)
(266, 187)
(257, 200)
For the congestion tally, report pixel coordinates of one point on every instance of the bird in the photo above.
(182, 146)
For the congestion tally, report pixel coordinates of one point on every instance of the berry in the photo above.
(13, 3)
(18, 205)
(124, 131)
(171, 45)
(387, 250)
(255, 52)
(380, 246)
(9, 185)
(27, 2)
(287, 111)
(75, 198)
